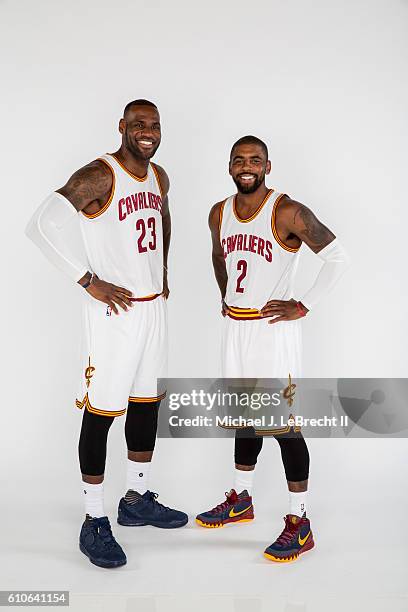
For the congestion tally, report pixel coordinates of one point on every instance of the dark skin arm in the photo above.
(166, 222)
(296, 223)
(220, 269)
(89, 189)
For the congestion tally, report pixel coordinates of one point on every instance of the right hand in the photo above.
(110, 294)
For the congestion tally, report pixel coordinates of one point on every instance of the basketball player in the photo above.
(125, 224)
(256, 236)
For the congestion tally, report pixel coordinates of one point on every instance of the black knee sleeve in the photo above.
(141, 425)
(247, 446)
(92, 443)
(295, 457)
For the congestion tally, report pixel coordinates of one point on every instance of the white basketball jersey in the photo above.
(124, 240)
(260, 266)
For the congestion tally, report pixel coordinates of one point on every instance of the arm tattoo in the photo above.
(312, 232)
(87, 184)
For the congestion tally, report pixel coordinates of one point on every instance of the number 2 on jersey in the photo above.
(242, 266)
(141, 226)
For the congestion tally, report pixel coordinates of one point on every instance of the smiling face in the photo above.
(248, 167)
(141, 131)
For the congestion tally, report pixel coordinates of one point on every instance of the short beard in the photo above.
(249, 188)
(137, 153)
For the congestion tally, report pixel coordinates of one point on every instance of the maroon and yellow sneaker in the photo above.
(235, 509)
(295, 539)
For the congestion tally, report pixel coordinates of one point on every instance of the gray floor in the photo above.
(359, 561)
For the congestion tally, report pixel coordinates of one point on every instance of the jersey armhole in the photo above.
(273, 224)
(158, 181)
(220, 217)
(112, 191)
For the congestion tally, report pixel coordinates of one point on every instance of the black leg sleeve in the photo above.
(141, 425)
(247, 446)
(295, 457)
(92, 443)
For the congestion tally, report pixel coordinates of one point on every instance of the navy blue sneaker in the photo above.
(136, 510)
(96, 541)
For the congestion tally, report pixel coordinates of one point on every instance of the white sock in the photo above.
(244, 480)
(137, 475)
(93, 495)
(297, 502)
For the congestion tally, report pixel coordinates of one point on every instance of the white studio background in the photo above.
(322, 82)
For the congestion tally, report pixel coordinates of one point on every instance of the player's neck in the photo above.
(249, 202)
(133, 164)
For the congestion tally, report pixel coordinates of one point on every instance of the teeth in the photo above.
(247, 176)
(145, 142)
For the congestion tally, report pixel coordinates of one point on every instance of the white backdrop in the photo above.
(323, 83)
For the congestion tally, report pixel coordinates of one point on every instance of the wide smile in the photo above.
(247, 178)
(145, 143)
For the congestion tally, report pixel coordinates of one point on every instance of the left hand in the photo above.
(282, 310)
(166, 291)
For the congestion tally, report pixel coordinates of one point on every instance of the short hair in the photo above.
(250, 140)
(140, 102)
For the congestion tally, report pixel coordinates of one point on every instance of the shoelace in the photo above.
(287, 534)
(152, 499)
(223, 506)
(105, 533)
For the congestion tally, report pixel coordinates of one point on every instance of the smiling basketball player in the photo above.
(256, 236)
(125, 223)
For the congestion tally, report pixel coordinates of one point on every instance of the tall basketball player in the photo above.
(125, 225)
(256, 236)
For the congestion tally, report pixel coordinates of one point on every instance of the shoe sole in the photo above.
(219, 525)
(292, 558)
(106, 565)
(152, 524)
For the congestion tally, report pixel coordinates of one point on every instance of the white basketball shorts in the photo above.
(258, 349)
(122, 356)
